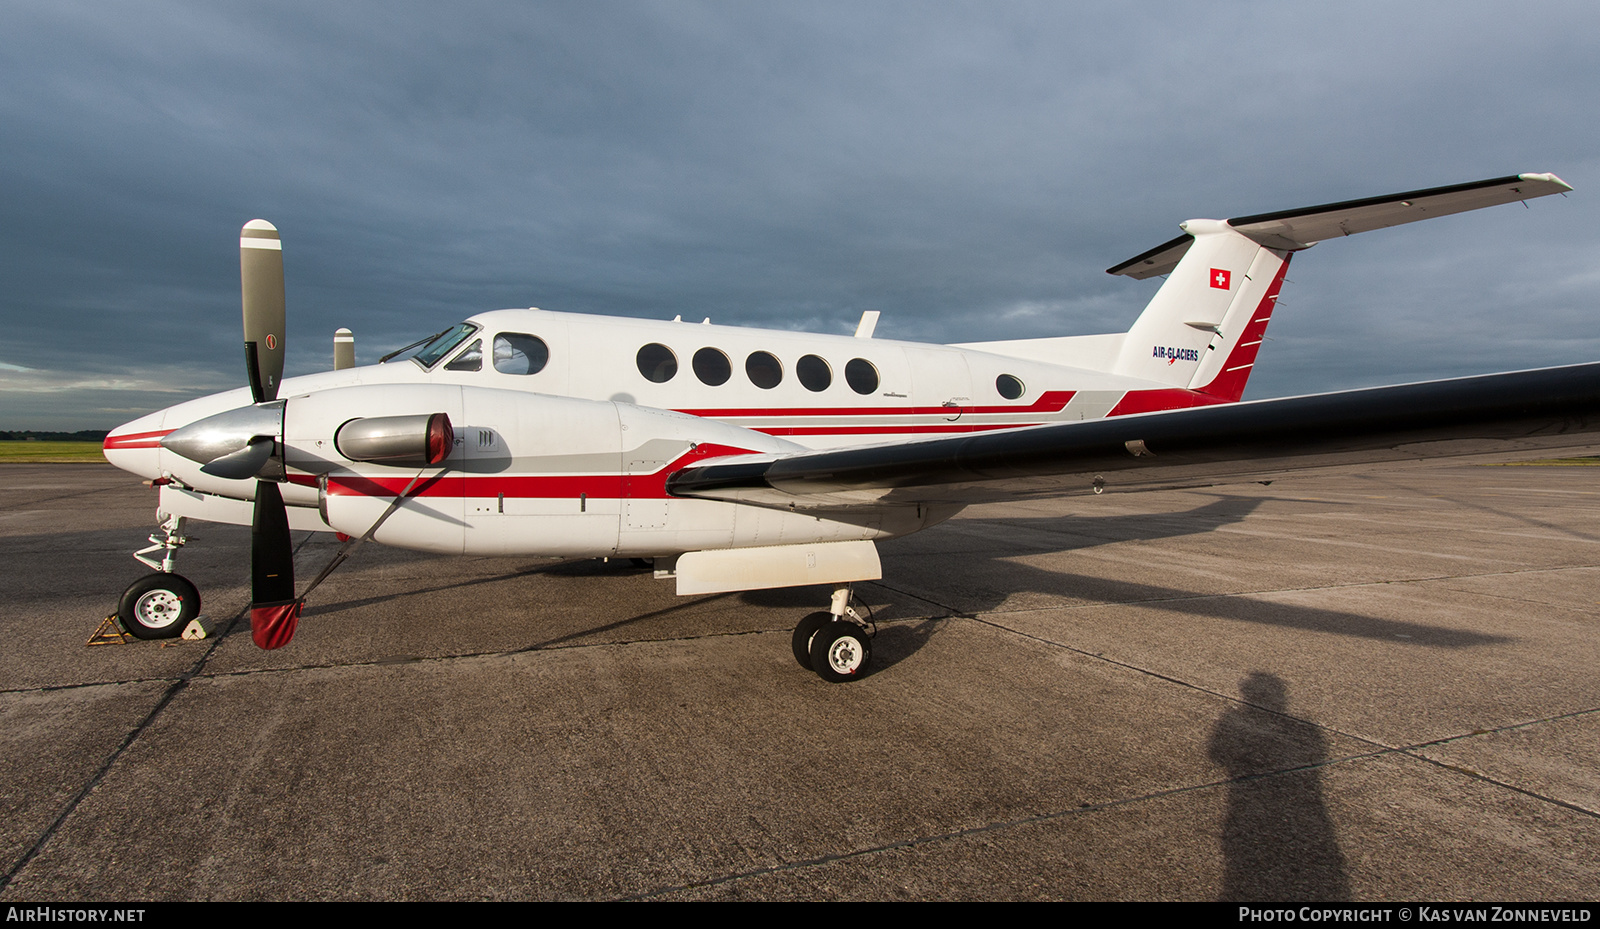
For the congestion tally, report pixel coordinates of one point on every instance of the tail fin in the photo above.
(1202, 330)
(1204, 326)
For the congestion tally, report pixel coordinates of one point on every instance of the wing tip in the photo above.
(1546, 178)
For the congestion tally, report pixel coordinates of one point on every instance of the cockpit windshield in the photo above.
(439, 345)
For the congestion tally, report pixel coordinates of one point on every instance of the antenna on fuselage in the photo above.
(344, 349)
(869, 322)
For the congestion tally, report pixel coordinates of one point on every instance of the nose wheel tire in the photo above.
(840, 651)
(158, 606)
(804, 632)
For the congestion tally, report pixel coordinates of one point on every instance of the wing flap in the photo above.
(1552, 411)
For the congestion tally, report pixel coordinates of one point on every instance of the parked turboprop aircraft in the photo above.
(744, 458)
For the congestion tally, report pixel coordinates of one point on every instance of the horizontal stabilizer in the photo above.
(1291, 230)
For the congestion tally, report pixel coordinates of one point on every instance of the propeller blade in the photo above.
(261, 289)
(274, 611)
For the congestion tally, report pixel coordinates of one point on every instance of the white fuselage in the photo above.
(921, 389)
(572, 458)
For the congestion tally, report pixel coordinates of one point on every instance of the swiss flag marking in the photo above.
(1220, 279)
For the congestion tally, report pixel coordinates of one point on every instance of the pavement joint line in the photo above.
(1097, 656)
(1276, 590)
(1379, 750)
(917, 596)
(1380, 747)
(35, 501)
(391, 660)
(1412, 751)
(176, 686)
(1364, 545)
(996, 826)
(1508, 599)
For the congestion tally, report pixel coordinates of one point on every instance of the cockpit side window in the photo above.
(470, 359)
(520, 353)
(443, 344)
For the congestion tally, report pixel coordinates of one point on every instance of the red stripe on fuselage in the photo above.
(884, 430)
(135, 440)
(1166, 398)
(1051, 401)
(559, 486)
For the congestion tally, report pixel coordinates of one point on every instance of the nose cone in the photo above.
(135, 447)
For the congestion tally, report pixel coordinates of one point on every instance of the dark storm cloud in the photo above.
(968, 169)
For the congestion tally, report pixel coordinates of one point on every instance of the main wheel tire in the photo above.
(841, 652)
(804, 632)
(158, 606)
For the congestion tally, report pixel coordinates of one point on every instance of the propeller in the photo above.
(247, 442)
(274, 610)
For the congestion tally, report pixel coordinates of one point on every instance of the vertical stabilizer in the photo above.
(1204, 326)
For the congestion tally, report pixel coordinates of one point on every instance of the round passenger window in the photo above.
(1009, 387)
(657, 363)
(813, 372)
(861, 376)
(764, 370)
(712, 367)
(519, 353)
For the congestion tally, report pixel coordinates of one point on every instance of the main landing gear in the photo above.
(835, 643)
(160, 605)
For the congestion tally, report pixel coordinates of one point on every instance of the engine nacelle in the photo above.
(417, 440)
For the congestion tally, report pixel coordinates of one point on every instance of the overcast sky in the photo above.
(969, 169)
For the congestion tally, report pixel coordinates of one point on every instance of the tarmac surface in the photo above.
(1374, 686)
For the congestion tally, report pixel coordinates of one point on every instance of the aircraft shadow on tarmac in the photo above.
(987, 567)
(997, 573)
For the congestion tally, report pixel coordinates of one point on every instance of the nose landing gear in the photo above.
(160, 605)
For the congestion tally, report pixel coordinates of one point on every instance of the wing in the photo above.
(1552, 411)
(1296, 229)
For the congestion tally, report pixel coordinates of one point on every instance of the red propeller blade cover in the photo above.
(272, 625)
